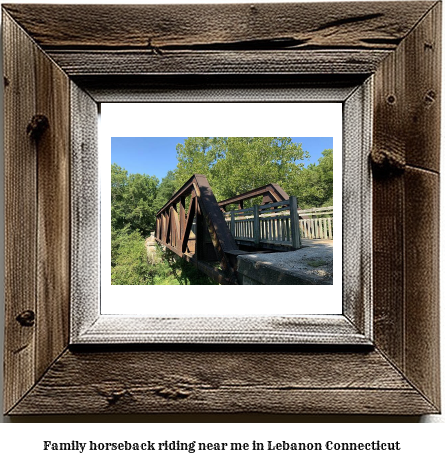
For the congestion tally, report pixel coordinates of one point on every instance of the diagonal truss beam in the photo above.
(174, 231)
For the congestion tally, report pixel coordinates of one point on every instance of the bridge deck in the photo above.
(312, 264)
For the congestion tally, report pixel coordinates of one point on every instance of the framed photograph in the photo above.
(365, 343)
(303, 267)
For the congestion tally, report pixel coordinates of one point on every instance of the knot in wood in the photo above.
(385, 162)
(115, 396)
(37, 126)
(26, 318)
(172, 393)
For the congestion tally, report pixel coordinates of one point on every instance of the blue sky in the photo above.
(157, 155)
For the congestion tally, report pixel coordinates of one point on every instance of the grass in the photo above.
(130, 265)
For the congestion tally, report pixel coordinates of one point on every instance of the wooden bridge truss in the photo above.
(193, 226)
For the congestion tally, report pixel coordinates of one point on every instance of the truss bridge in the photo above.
(199, 229)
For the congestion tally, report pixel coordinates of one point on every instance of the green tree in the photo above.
(234, 165)
(316, 182)
(166, 190)
(132, 200)
(195, 156)
(245, 163)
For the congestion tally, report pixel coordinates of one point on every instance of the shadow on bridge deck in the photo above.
(312, 264)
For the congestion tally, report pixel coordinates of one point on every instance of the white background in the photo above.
(23, 443)
(218, 120)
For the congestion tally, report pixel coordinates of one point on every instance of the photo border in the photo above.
(95, 327)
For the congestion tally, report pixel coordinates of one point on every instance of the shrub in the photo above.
(130, 265)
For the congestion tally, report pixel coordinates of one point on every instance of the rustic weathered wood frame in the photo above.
(75, 56)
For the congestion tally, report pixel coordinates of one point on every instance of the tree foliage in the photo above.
(315, 183)
(129, 265)
(234, 165)
(132, 200)
(166, 190)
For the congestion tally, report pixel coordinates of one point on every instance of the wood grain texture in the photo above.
(109, 329)
(423, 91)
(408, 86)
(118, 62)
(223, 382)
(388, 268)
(157, 27)
(85, 240)
(223, 39)
(356, 210)
(406, 132)
(20, 212)
(422, 364)
(388, 201)
(37, 215)
(219, 88)
(53, 225)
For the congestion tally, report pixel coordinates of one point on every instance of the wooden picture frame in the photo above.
(58, 68)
